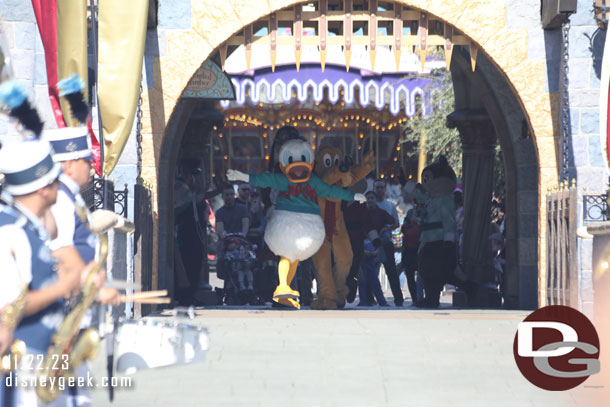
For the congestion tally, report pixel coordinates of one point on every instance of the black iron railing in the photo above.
(120, 201)
(594, 208)
(116, 201)
(99, 187)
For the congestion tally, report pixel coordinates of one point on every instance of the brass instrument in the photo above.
(69, 340)
(10, 318)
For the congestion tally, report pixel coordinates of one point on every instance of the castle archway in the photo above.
(506, 84)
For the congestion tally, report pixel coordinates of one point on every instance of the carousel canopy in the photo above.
(384, 87)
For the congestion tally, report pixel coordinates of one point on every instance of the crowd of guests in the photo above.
(238, 226)
(372, 227)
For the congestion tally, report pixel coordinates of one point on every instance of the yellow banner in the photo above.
(122, 34)
(71, 46)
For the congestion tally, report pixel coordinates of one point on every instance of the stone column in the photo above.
(478, 142)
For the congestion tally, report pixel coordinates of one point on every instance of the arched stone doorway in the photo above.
(506, 82)
(487, 92)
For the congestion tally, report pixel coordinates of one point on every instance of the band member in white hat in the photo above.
(71, 147)
(31, 179)
(72, 153)
(72, 150)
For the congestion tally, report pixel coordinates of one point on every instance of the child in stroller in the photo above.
(237, 258)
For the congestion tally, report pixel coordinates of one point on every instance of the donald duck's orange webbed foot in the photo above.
(286, 271)
(284, 293)
(289, 302)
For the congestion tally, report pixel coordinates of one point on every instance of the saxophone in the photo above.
(10, 318)
(69, 340)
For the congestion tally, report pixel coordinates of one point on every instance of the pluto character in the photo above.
(334, 169)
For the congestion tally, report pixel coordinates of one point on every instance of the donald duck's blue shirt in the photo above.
(300, 197)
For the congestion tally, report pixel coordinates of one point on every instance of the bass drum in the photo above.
(148, 343)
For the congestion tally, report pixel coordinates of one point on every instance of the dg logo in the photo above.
(556, 348)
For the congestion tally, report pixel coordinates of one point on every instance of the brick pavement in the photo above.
(395, 357)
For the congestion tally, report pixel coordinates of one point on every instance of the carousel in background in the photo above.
(349, 107)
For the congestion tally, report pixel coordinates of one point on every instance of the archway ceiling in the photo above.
(385, 62)
(347, 26)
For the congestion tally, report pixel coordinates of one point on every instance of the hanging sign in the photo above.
(209, 82)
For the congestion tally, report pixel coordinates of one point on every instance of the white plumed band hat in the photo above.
(69, 143)
(27, 166)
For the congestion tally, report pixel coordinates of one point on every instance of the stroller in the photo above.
(237, 259)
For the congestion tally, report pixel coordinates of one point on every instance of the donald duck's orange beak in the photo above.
(297, 172)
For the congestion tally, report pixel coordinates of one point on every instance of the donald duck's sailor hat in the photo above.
(27, 166)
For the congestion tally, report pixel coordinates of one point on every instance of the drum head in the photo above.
(148, 344)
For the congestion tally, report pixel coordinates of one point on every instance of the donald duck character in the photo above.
(295, 231)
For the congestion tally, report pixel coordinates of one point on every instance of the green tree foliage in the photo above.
(439, 138)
